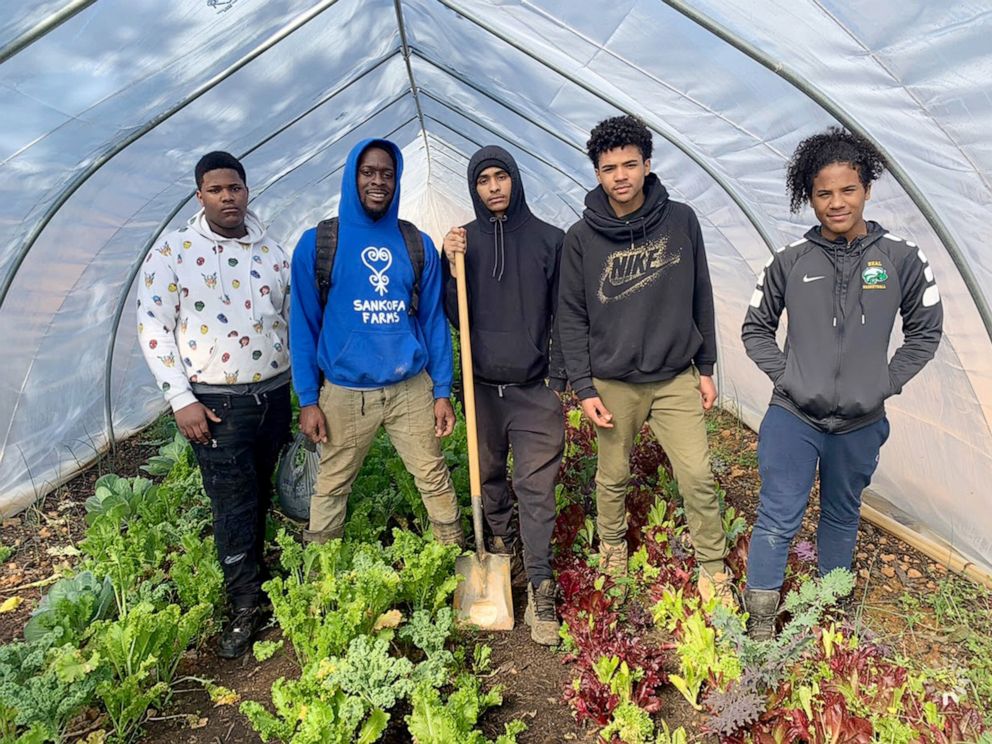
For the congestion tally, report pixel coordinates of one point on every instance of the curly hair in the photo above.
(814, 153)
(618, 131)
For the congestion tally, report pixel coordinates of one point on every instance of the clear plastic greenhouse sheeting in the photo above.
(106, 112)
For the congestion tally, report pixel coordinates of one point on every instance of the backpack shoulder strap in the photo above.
(415, 247)
(327, 247)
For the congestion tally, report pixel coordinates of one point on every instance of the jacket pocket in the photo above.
(506, 356)
(204, 368)
(810, 386)
(861, 394)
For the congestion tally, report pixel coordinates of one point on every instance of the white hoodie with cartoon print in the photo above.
(212, 309)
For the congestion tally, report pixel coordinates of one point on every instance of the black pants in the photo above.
(237, 467)
(529, 419)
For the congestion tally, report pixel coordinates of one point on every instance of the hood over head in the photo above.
(517, 211)
(350, 209)
(600, 215)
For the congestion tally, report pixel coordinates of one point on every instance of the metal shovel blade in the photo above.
(483, 599)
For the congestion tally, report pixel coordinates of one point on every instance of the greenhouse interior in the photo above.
(108, 105)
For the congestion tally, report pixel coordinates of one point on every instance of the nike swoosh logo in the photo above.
(807, 279)
(610, 291)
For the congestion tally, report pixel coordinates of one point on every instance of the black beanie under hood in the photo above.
(517, 211)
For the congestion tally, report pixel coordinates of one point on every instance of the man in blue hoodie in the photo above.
(382, 364)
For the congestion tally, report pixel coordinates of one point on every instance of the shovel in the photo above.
(483, 599)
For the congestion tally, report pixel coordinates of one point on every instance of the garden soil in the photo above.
(533, 677)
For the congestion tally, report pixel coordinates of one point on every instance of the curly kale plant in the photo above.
(765, 663)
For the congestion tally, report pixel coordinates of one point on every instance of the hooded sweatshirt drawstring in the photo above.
(222, 285)
(840, 277)
(499, 248)
(644, 231)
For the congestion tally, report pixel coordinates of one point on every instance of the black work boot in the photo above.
(240, 632)
(541, 615)
(762, 608)
(510, 546)
(845, 610)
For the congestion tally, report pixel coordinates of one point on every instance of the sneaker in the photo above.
(762, 608)
(541, 615)
(240, 632)
(613, 559)
(510, 546)
(718, 584)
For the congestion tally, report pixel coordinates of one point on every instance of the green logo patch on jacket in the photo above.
(874, 276)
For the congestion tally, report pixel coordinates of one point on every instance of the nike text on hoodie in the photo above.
(212, 309)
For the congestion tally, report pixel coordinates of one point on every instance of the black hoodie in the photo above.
(511, 267)
(635, 302)
(842, 299)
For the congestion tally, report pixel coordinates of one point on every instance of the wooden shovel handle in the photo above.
(468, 389)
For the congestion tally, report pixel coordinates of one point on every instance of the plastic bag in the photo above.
(296, 477)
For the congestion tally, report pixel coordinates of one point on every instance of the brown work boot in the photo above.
(322, 536)
(510, 546)
(762, 608)
(450, 533)
(718, 584)
(613, 559)
(541, 615)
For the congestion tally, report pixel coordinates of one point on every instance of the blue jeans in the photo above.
(788, 452)
(237, 469)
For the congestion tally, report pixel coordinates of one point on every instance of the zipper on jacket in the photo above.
(841, 295)
(839, 322)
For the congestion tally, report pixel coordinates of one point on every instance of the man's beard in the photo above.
(375, 215)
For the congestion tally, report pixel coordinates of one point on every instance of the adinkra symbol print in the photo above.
(378, 261)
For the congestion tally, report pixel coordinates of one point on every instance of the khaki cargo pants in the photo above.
(674, 412)
(406, 410)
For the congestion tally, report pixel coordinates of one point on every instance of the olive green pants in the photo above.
(674, 412)
(406, 410)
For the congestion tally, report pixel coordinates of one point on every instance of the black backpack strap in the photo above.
(327, 246)
(415, 247)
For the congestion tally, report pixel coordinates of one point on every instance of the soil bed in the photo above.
(896, 586)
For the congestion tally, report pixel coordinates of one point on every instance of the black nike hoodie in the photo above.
(635, 302)
(511, 267)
